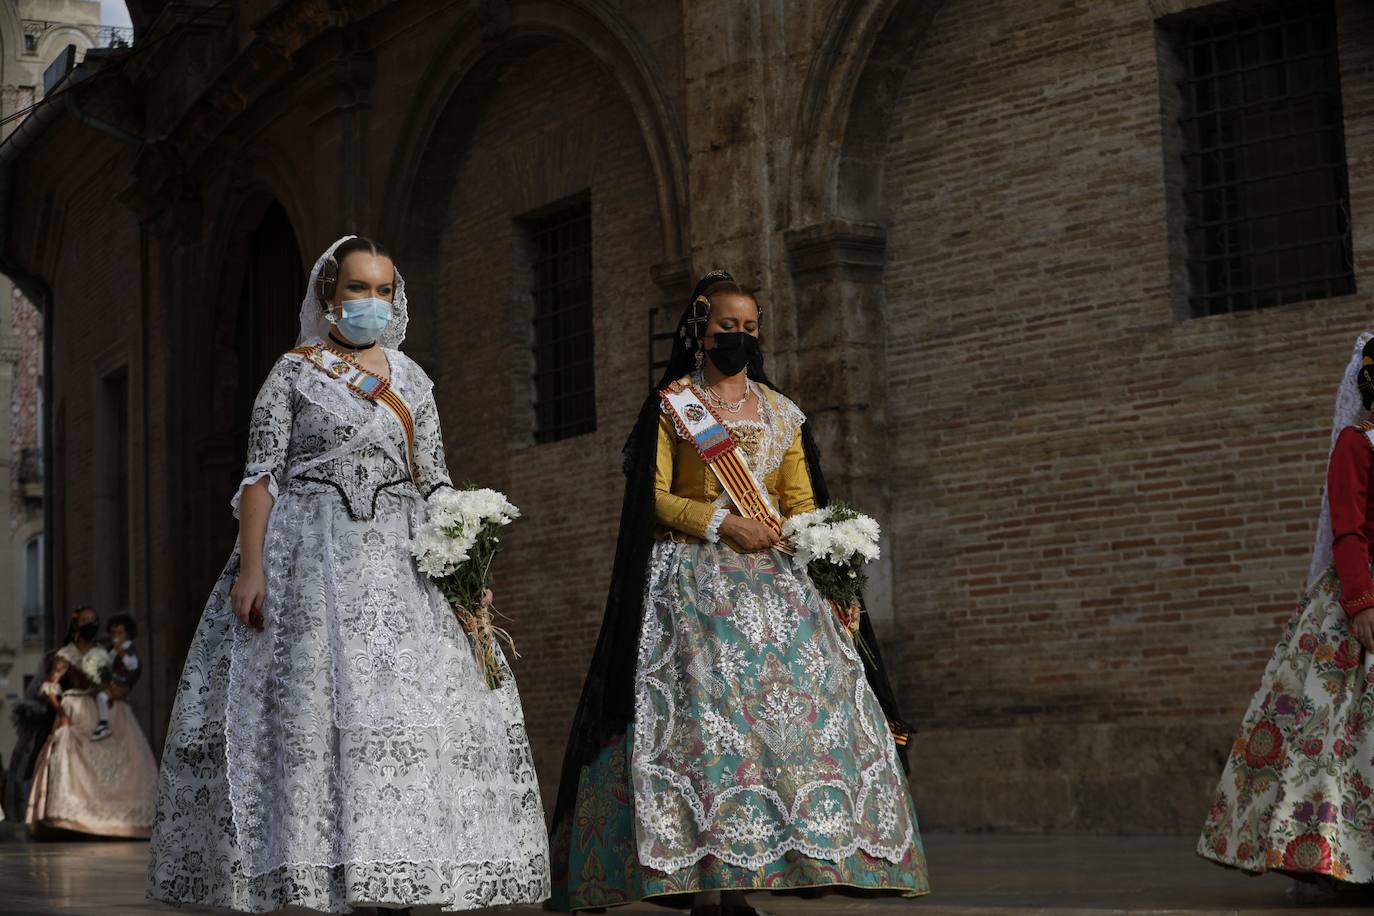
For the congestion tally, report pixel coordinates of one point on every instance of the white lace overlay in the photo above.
(756, 732)
(1348, 411)
(363, 685)
(713, 526)
(272, 489)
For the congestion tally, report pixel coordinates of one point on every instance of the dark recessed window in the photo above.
(1267, 206)
(564, 364)
(33, 590)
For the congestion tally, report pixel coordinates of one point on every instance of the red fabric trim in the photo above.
(716, 451)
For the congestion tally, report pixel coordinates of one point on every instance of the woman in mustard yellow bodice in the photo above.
(729, 737)
(687, 496)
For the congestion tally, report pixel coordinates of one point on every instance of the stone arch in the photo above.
(243, 319)
(57, 39)
(269, 171)
(456, 82)
(845, 108)
(836, 246)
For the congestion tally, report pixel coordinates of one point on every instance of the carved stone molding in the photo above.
(674, 280)
(836, 244)
(343, 83)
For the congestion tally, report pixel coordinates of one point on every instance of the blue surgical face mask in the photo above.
(363, 320)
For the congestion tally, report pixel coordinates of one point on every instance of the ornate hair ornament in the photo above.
(693, 326)
(327, 283)
(694, 322)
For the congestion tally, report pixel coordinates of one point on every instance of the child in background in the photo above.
(52, 687)
(121, 630)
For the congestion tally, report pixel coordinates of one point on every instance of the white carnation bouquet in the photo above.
(98, 666)
(455, 548)
(833, 545)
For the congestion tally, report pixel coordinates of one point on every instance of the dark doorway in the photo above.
(273, 283)
(252, 320)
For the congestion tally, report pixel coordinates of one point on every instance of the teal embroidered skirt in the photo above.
(759, 757)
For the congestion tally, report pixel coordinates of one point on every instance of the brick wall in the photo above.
(557, 127)
(1104, 511)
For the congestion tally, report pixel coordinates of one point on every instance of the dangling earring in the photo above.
(700, 357)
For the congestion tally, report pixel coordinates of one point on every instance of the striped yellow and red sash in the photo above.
(366, 385)
(699, 425)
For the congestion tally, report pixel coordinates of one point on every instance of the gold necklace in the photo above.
(718, 401)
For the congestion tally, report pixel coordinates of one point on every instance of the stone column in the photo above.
(337, 95)
(837, 291)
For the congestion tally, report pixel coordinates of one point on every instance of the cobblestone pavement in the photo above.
(1014, 875)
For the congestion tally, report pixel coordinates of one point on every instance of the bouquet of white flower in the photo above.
(455, 548)
(833, 544)
(98, 666)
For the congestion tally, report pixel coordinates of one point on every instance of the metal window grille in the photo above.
(660, 347)
(1267, 202)
(564, 377)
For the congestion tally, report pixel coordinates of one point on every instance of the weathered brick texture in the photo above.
(1102, 513)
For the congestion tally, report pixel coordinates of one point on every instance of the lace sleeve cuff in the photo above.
(713, 529)
(248, 482)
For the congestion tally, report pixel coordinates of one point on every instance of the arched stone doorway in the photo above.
(250, 319)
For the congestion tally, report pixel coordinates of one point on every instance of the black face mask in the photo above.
(734, 351)
(88, 631)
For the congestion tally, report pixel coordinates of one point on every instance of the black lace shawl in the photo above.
(606, 707)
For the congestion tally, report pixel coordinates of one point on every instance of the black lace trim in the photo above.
(348, 503)
(437, 487)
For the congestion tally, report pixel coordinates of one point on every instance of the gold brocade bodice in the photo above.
(687, 493)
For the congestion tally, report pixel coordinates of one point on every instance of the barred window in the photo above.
(564, 364)
(1266, 201)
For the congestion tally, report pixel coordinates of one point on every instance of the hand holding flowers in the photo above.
(834, 544)
(455, 548)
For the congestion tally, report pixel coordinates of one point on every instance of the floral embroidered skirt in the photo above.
(1295, 794)
(759, 756)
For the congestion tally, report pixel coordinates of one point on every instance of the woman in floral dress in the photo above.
(1295, 794)
(729, 736)
(334, 743)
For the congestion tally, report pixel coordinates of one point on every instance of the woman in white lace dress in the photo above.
(333, 742)
(730, 736)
